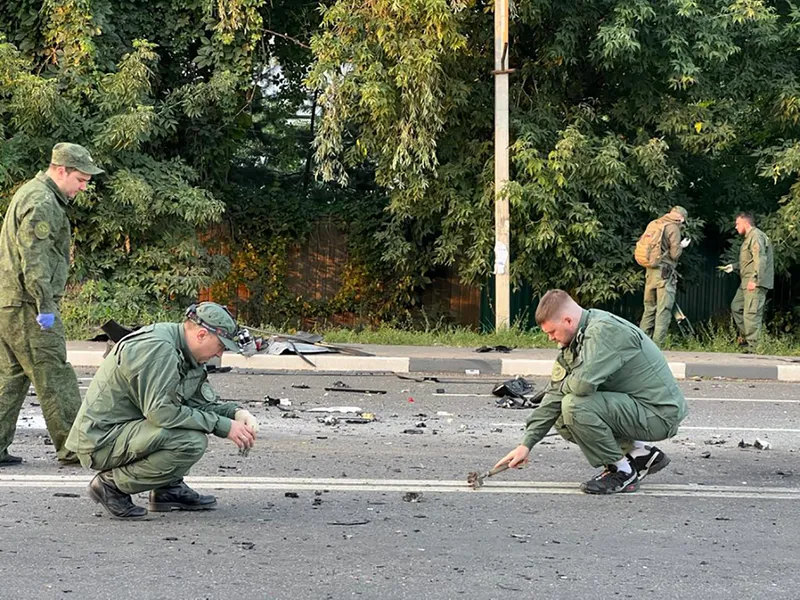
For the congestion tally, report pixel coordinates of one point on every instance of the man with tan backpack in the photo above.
(658, 250)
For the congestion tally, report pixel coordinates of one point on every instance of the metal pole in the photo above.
(502, 234)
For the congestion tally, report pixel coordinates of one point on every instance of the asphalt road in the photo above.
(719, 522)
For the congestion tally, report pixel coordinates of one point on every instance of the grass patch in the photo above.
(460, 337)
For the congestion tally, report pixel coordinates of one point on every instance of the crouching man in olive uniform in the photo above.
(146, 416)
(610, 392)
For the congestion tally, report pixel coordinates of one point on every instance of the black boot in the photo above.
(117, 503)
(179, 496)
(10, 460)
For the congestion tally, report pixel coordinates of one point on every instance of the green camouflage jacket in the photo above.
(149, 375)
(34, 246)
(755, 260)
(608, 354)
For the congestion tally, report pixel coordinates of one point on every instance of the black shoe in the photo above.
(179, 496)
(648, 464)
(612, 481)
(117, 503)
(9, 460)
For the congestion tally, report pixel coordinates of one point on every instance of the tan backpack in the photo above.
(648, 248)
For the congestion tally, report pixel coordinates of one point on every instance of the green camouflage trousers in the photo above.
(659, 298)
(30, 354)
(605, 425)
(747, 309)
(145, 457)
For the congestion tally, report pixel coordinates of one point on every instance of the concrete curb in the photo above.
(470, 366)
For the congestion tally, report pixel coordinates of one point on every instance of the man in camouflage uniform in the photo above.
(610, 388)
(661, 282)
(757, 273)
(147, 414)
(34, 264)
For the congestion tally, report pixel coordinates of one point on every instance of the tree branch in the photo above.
(288, 37)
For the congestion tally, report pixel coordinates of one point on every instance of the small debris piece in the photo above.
(300, 386)
(761, 444)
(270, 401)
(291, 495)
(440, 390)
(247, 545)
(340, 384)
(66, 495)
(329, 420)
(354, 390)
(354, 410)
(348, 523)
(714, 442)
(472, 371)
(410, 399)
(413, 431)
(706, 454)
(743, 444)
(443, 413)
(170, 539)
(420, 424)
(316, 502)
(290, 415)
(412, 497)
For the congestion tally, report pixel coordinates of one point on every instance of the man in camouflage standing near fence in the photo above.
(34, 264)
(757, 273)
(661, 279)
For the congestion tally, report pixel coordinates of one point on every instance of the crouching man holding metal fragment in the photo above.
(146, 416)
(610, 392)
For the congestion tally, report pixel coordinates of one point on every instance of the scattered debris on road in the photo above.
(354, 390)
(757, 444)
(412, 497)
(500, 348)
(517, 393)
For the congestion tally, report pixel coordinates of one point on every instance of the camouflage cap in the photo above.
(75, 156)
(681, 211)
(216, 319)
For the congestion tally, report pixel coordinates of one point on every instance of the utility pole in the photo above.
(502, 244)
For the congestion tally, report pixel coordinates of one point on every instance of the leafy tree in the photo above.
(620, 108)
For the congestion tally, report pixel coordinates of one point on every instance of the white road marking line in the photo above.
(767, 429)
(691, 399)
(769, 400)
(683, 428)
(426, 485)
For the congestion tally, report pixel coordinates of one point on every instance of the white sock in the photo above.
(623, 465)
(639, 449)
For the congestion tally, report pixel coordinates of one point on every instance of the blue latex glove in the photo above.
(45, 320)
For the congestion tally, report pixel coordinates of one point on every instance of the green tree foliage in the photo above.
(619, 110)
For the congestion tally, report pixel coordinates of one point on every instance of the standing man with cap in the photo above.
(663, 241)
(147, 414)
(34, 265)
(757, 272)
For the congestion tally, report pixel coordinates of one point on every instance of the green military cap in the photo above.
(681, 211)
(75, 156)
(218, 320)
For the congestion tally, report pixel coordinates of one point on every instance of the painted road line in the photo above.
(765, 429)
(682, 427)
(425, 485)
(689, 399)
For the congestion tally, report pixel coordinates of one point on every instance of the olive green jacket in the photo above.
(150, 375)
(34, 246)
(755, 260)
(608, 354)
